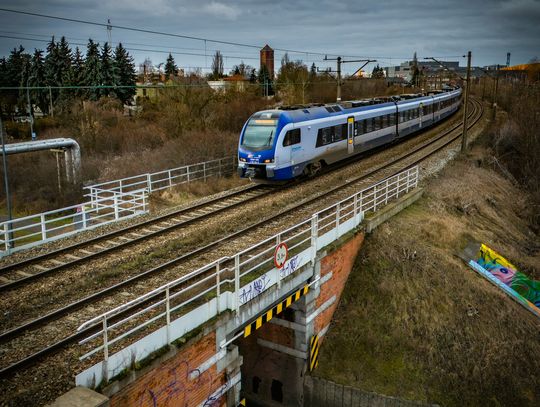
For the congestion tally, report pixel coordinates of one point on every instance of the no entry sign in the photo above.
(280, 255)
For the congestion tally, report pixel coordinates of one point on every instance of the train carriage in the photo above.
(286, 143)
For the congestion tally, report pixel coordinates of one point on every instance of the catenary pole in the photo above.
(465, 108)
(6, 185)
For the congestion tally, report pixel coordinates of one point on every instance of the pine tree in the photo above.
(92, 70)
(124, 74)
(40, 97)
(313, 71)
(217, 66)
(170, 67)
(77, 67)
(107, 70)
(53, 68)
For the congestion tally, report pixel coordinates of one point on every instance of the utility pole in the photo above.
(32, 135)
(467, 88)
(494, 112)
(465, 108)
(340, 61)
(6, 186)
(50, 102)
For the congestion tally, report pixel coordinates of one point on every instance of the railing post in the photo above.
(375, 198)
(361, 199)
(115, 204)
(218, 289)
(168, 313)
(204, 171)
(338, 209)
(187, 171)
(236, 282)
(6, 237)
(170, 179)
(314, 236)
(386, 193)
(121, 186)
(149, 182)
(84, 220)
(105, 351)
(144, 200)
(43, 228)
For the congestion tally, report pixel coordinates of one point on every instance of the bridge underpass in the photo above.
(252, 342)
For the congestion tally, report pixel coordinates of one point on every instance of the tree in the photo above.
(124, 74)
(170, 67)
(313, 71)
(293, 80)
(92, 70)
(37, 78)
(13, 76)
(377, 73)
(265, 81)
(217, 66)
(106, 69)
(77, 67)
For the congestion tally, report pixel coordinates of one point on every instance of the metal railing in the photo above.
(164, 179)
(23, 233)
(232, 281)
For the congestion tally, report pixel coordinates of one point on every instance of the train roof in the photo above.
(301, 113)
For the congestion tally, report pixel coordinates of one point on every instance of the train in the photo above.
(291, 142)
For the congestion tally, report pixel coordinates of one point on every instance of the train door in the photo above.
(350, 135)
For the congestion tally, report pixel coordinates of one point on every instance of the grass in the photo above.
(415, 322)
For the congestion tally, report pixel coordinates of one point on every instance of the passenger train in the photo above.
(287, 143)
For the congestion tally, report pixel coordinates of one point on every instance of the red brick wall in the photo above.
(277, 334)
(169, 384)
(340, 263)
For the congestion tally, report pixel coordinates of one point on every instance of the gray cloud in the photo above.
(390, 30)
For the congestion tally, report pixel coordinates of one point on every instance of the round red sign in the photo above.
(280, 255)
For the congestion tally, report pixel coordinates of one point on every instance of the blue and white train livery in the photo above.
(282, 144)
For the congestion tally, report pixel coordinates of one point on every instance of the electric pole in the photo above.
(340, 61)
(9, 242)
(494, 112)
(465, 108)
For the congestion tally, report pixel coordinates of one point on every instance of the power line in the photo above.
(136, 49)
(190, 37)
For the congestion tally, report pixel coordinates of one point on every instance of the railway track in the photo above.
(401, 162)
(31, 269)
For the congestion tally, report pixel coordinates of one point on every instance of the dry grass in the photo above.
(416, 322)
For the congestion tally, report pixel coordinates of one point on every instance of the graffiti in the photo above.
(254, 288)
(290, 267)
(176, 389)
(507, 273)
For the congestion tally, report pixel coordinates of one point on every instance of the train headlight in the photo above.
(269, 161)
(242, 159)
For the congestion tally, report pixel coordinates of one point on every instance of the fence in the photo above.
(319, 392)
(232, 281)
(164, 179)
(33, 230)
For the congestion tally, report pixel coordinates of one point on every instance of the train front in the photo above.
(257, 146)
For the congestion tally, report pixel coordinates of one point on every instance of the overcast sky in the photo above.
(386, 30)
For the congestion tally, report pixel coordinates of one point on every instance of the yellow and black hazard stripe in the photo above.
(276, 310)
(314, 352)
(242, 403)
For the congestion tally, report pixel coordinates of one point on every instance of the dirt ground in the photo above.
(416, 322)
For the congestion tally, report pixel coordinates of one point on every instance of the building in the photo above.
(267, 60)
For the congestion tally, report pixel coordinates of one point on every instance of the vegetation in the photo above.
(416, 322)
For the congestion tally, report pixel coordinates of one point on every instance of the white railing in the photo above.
(232, 281)
(165, 179)
(23, 233)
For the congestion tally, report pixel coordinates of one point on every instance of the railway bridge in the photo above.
(243, 329)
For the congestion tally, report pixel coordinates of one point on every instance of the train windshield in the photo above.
(259, 133)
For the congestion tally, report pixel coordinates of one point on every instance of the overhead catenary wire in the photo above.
(155, 32)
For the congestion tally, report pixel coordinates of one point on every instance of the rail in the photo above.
(232, 281)
(164, 179)
(29, 231)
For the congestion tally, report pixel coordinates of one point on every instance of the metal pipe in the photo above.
(39, 145)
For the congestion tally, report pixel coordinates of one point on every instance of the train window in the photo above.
(291, 137)
(391, 121)
(369, 125)
(324, 136)
(364, 126)
(384, 121)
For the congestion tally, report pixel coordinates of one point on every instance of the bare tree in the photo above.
(217, 66)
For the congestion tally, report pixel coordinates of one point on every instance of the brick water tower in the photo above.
(267, 59)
